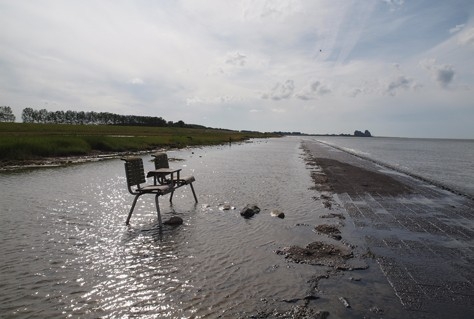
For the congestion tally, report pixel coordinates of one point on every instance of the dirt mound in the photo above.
(318, 253)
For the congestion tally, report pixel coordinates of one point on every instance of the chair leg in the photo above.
(194, 193)
(171, 196)
(131, 210)
(158, 209)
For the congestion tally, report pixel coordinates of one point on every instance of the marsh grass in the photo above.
(20, 141)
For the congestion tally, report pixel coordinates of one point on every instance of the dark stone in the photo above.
(277, 213)
(174, 221)
(249, 210)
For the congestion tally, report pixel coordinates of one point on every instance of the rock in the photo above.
(255, 208)
(174, 221)
(277, 213)
(226, 206)
(345, 302)
(249, 210)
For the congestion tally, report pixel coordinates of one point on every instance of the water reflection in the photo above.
(66, 250)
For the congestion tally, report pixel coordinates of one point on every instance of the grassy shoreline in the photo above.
(23, 143)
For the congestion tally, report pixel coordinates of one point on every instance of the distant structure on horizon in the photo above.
(356, 134)
(360, 134)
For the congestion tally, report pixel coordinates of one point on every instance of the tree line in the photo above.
(6, 114)
(30, 115)
(43, 116)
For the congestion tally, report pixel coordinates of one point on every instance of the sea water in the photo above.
(66, 252)
(445, 162)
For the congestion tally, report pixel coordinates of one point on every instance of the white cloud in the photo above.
(442, 74)
(313, 90)
(280, 91)
(467, 37)
(457, 28)
(136, 81)
(400, 83)
(211, 60)
(236, 59)
(394, 4)
(355, 92)
(210, 100)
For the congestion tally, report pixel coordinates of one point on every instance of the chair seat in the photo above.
(156, 188)
(186, 179)
(182, 180)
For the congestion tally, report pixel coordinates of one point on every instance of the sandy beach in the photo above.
(416, 239)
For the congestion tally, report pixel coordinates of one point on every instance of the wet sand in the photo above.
(416, 239)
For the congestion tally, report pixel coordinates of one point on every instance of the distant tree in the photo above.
(43, 116)
(6, 114)
(59, 117)
(28, 115)
(70, 117)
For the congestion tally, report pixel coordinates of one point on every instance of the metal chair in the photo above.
(135, 177)
(161, 161)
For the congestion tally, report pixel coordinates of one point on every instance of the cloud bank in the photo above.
(246, 64)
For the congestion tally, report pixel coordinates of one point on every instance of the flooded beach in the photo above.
(66, 251)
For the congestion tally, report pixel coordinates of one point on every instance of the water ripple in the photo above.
(66, 250)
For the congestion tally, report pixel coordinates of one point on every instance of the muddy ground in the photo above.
(388, 245)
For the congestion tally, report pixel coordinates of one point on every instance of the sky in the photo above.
(393, 67)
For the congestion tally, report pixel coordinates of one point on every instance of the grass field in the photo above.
(26, 141)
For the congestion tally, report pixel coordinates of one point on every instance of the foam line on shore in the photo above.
(398, 169)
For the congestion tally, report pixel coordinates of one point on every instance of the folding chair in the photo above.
(135, 177)
(161, 161)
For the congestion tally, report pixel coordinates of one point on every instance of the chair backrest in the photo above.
(134, 171)
(161, 160)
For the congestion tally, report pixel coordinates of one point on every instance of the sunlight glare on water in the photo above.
(66, 250)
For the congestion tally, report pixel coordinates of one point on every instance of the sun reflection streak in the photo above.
(74, 253)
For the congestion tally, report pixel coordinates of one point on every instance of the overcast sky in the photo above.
(394, 67)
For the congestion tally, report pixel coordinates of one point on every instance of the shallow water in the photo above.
(445, 162)
(66, 251)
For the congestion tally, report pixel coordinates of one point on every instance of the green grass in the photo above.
(20, 141)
